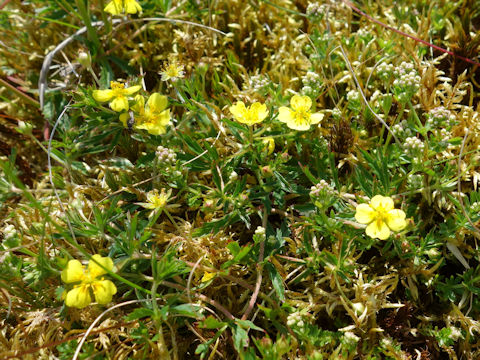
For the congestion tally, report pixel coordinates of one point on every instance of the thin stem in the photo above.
(253, 299)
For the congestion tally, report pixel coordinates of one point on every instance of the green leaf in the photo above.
(188, 310)
(247, 324)
(238, 254)
(240, 338)
(277, 281)
(211, 323)
(139, 313)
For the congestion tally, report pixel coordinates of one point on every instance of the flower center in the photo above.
(172, 70)
(118, 89)
(302, 117)
(381, 215)
(159, 201)
(88, 278)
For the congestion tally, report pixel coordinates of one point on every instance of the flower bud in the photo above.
(84, 59)
(24, 128)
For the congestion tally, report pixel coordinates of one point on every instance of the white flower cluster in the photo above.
(295, 320)
(311, 84)
(363, 32)
(315, 11)
(415, 181)
(336, 113)
(260, 231)
(9, 232)
(444, 134)
(439, 117)
(165, 155)
(413, 145)
(349, 338)
(385, 70)
(475, 207)
(258, 83)
(402, 130)
(321, 188)
(407, 81)
(353, 96)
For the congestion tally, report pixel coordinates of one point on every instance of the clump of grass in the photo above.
(269, 180)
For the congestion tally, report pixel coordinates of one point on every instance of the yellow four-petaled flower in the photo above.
(253, 114)
(117, 7)
(88, 281)
(299, 117)
(381, 217)
(117, 95)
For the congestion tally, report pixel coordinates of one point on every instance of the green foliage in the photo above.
(230, 239)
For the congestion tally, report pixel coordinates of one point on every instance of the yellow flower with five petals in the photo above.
(117, 95)
(88, 281)
(381, 217)
(117, 7)
(253, 114)
(154, 117)
(299, 117)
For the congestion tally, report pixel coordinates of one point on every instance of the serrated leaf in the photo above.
(139, 313)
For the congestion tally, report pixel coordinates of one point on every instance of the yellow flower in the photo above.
(154, 117)
(156, 201)
(269, 145)
(172, 71)
(117, 7)
(253, 114)
(299, 116)
(117, 95)
(207, 276)
(87, 282)
(381, 217)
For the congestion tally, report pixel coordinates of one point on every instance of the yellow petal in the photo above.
(384, 202)
(120, 103)
(124, 118)
(301, 103)
(316, 118)
(269, 145)
(164, 117)
(132, 7)
(157, 102)
(153, 128)
(378, 229)
(78, 297)
(102, 95)
(139, 105)
(285, 114)
(396, 220)
(95, 269)
(73, 272)
(133, 89)
(260, 111)
(298, 125)
(103, 291)
(207, 276)
(364, 214)
(239, 111)
(113, 7)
